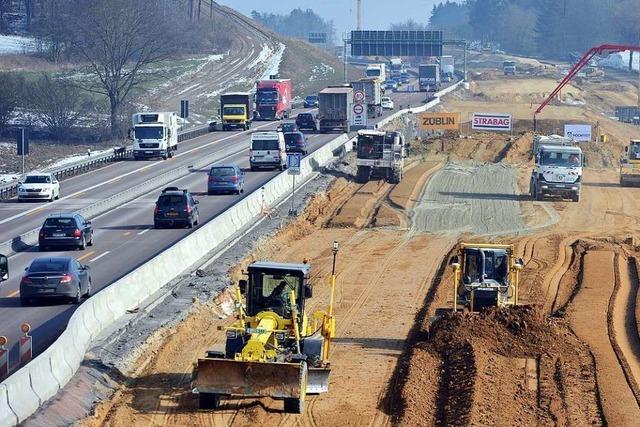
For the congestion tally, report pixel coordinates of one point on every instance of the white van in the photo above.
(267, 150)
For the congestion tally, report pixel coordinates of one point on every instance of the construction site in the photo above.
(564, 350)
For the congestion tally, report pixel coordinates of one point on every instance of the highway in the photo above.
(124, 236)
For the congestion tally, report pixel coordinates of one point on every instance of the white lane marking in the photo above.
(4, 221)
(143, 231)
(99, 256)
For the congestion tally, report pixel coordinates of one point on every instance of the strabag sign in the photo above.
(579, 133)
(491, 121)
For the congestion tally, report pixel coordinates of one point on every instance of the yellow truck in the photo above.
(630, 164)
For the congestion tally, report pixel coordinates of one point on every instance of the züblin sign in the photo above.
(439, 121)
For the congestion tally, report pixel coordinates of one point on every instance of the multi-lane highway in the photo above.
(124, 236)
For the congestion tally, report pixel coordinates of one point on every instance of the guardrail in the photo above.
(32, 385)
(91, 162)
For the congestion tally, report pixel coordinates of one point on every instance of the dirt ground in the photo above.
(570, 355)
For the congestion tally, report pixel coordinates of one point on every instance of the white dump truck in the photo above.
(154, 135)
(380, 155)
(558, 168)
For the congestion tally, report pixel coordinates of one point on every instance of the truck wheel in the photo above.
(208, 400)
(396, 177)
(362, 175)
(538, 195)
(576, 197)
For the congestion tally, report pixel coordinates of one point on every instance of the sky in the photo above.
(378, 14)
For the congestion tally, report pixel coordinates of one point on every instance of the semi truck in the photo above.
(273, 99)
(377, 71)
(154, 134)
(447, 67)
(335, 108)
(429, 77)
(558, 168)
(509, 67)
(373, 95)
(236, 110)
(397, 68)
(380, 154)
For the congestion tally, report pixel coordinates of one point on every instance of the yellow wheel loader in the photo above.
(273, 349)
(484, 275)
(630, 164)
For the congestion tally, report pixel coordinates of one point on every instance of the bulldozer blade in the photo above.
(318, 380)
(251, 379)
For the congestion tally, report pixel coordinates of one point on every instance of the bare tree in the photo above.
(10, 95)
(119, 40)
(57, 104)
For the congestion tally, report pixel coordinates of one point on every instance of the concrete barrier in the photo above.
(64, 356)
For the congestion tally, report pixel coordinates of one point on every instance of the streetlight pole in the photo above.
(333, 276)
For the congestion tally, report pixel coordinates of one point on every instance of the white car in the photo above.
(39, 186)
(387, 103)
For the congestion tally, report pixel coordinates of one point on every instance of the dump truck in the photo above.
(429, 77)
(376, 71)
(380, 154)
(335, 108)
(447, 67)
(630, 164)
(154, 134)
(4, 268)
(236, 110)
(373, 95)
(484, 275)
(509, 67)
(558, 168)
(273, 99)
(273, 349)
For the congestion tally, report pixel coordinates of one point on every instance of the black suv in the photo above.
(295, 142)
(175, 207)
(307, 121)
(65, 230)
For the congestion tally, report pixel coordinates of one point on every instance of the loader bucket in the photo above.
(318, 380)
(250, 379)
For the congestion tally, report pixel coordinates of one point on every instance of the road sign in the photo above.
(358, 108)
(491, 121)
(439, 121)
(396, 43)
(184, 108)
(293, 163)
(358, 96)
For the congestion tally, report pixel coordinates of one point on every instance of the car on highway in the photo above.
(65, 230)
(295, 142)
(387, 103)
(55, 277)
(4, 268)
(268, 150)
(225, 179)
(39, 186)
(390, 84)
(287, 127)
(311, 101)
(307, 121)
(175, 207)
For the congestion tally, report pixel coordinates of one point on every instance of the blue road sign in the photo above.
(293, 163)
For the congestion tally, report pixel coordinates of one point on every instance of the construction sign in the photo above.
(439, 121)
(491, 121)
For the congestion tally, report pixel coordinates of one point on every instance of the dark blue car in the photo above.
(225, 179)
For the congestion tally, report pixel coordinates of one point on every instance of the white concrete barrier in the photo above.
(55, 367)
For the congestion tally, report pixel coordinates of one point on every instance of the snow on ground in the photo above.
(263, 57)
(321, 72)
(8, 177)
(76, 158)
(620, 61)
(16, 44)
(274, 65)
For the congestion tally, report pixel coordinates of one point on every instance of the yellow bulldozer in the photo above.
(272, 349)
(630, 164)
(484, 275)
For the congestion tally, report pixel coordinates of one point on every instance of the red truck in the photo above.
(273, 99)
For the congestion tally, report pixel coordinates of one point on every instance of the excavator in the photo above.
(273, 349)
(630, 164)
(484, 275)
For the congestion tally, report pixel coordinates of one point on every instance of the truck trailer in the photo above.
(273, 99)
(429, 77)
(373, 95)
(236, 110)
(154, 134)
(335, 108)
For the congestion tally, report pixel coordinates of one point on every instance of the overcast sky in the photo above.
(378, 14)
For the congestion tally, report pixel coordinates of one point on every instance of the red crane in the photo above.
(596, 50)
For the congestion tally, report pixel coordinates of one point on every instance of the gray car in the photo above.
(55, 277)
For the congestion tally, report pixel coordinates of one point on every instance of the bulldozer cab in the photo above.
(485, 266)
(270, 284)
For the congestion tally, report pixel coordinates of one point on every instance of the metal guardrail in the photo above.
(91, 162)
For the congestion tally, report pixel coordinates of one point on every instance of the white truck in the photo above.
(377, 71)
(509, 67)
(380, 154)
(558, 168)
(154, 135)
(447, 67)
(373, 95)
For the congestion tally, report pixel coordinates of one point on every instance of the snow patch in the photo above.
(76, 158)
(321, 72)
(9, 177)
(274, 65)
(16, 44)
(620, 61)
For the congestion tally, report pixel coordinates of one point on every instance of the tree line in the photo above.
(298, 23)
(549, 28)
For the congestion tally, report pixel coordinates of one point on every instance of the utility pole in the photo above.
(359, 15)
(344, 58)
